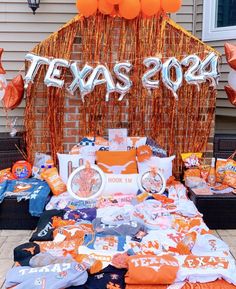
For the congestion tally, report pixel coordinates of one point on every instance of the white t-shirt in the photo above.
(206, 269)
(210, 245)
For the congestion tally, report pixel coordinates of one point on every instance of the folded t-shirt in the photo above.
(210, 245)
(3, 186)
(87, 214)
(123, 230)
(105, 242)
(47, 277)
(206, 268)
(35, 190)
(44, 231)
(110, 277)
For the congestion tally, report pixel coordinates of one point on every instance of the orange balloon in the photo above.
(2, 70)
(231, 93)
(104, 7)
(150, 7)
(230, 53)
(113, 2)
(129, 9)
(87, 7)
(171, 6)
(144, 16)
(14, 92)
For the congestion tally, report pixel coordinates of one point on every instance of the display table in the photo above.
(219, 210)
(15, 215)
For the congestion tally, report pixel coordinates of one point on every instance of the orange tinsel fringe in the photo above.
(178, 126)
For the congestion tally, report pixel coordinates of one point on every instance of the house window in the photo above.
(219, 20)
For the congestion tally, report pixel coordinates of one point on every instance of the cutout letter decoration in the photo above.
(147, 77)
(36, 61)
(79, 80)
(127, 83)
(191, 75)
(211, 74)
(95, 80)
(173, 85)
(53, 72)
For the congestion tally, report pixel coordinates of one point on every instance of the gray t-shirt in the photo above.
(56, 276)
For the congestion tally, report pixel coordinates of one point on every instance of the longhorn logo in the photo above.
(116, 169)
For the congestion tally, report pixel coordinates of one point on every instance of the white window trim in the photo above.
(209, 31)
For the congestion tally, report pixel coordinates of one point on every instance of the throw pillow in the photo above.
(117, 162)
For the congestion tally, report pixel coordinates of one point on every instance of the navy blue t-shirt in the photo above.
(109, 278)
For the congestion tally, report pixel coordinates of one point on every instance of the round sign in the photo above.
(86, 182)
(152, 182)
(22, 170)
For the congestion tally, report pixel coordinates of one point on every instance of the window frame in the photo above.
(209, 31)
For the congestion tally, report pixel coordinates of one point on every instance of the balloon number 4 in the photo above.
(195, 72)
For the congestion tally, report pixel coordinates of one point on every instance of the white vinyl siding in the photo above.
(20, 31)
(225, 111)
(185, 16)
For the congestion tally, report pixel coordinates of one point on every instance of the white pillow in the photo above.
(162, 164)
(120, 183)
(68, 163)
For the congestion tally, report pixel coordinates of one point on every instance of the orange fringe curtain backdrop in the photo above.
(180, 126)
(44, 113)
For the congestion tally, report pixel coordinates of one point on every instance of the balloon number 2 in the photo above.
(198, 71)
(87, 78)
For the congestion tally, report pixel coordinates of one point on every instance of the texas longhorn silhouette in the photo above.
(116, 169)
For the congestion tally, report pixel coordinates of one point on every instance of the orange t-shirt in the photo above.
(152, 269)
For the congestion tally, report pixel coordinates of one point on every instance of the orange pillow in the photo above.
(54, 181)
(151, 269)
(117, 162)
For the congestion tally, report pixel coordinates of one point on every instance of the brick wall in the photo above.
(73, 106)
(74, 110)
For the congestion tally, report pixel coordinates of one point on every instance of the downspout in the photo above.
(194, 16)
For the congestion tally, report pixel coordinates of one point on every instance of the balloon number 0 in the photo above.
(87, 78)
(171, 84)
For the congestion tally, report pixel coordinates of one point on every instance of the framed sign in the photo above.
(86, 182)
(152, 182)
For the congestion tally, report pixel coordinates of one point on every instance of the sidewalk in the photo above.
(9, 239)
